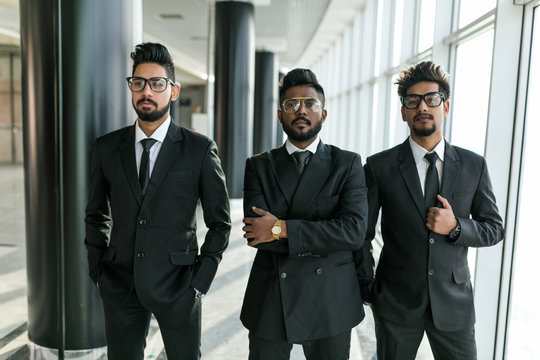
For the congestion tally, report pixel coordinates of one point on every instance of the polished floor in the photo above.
(223, 336)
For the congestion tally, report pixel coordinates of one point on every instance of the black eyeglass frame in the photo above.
(129, 80)
(423, 97)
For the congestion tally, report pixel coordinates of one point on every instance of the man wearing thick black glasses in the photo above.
(145, 183)
(437, 201)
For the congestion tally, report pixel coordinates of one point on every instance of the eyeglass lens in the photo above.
(432, 99)
(158, 84)
(292, 105)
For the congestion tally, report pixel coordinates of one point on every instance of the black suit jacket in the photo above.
(418, 268)
(152, 244)
(304, 287)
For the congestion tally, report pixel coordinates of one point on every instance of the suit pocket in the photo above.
(183, 257)
(461, 274)
(180, 174)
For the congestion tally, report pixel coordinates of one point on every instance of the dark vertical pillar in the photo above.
(233, 107)
(265, 114)
(75, 55)
(279, 136)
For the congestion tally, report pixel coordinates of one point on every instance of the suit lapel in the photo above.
(167, 153)
(409, 172)
(284, 169)
(127, 154)
(313, 177)
(451, 170)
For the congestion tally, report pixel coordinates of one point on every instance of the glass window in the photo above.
(471, 92)
(523, 331)
(427, 24)
(472, 10)
(398, 31)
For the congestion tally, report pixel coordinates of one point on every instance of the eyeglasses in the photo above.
(157, 84)
(293, 104)
(432, 99)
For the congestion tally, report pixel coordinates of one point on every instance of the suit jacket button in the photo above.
(140, 255)
(142, 222)
(318, 271)
(283, 275)
(430, 272)
(431, 240)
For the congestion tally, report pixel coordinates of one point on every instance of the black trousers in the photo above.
(333, 348)
(126, 328)
(399, 342)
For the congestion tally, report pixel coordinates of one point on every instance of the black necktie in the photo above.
(431, 187)
(301, 158)
(144, 170)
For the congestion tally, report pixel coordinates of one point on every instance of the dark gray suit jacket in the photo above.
(153, 246)
(305, 287)
(418, 268)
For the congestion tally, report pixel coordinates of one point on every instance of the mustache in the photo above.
(147, 100)
(301, 118)
(428, 115)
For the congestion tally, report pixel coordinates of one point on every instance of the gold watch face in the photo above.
(276, 230)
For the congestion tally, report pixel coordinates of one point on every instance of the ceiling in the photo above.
(298, 31)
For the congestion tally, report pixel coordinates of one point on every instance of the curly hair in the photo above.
(423, 71)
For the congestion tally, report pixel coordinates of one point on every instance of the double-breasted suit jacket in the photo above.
(151, 245)
(305, 287)
(418, 268)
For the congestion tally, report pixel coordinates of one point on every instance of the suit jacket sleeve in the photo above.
(97, 215)
(485, 225)
(254, 196)
(215, 204)
(346, 228)
(365, 262)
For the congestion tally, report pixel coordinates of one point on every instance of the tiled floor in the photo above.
(223, 338)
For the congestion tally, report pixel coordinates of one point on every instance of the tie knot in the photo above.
(148, 143)
(301, 156)
(431, 157)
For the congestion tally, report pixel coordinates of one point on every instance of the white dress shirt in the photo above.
(312, 148)
(422, 163)
(158, 135)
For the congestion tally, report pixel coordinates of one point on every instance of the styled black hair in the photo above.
(153, 53)
(299, 77)
(423, 71)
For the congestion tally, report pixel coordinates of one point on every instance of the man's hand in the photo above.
(259, 228)
(441, 220)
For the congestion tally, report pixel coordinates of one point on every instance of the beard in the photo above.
(424, 132)
(151, 116)
(302, 136)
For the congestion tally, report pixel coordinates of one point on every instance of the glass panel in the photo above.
(398, 32)
(472, 10)
(471, 92)
(471, 100)
(427, 24)
(523, 331)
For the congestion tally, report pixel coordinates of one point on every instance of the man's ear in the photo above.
(403, 114)
(323, 115)
(279, 116)
(175, 91)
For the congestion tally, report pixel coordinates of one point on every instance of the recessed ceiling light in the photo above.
(171, 16)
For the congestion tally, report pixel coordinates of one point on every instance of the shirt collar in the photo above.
(159, 134)
(419, 152)
(311, 148)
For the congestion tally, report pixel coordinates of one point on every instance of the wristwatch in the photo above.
(454, 234)
(276, 229)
